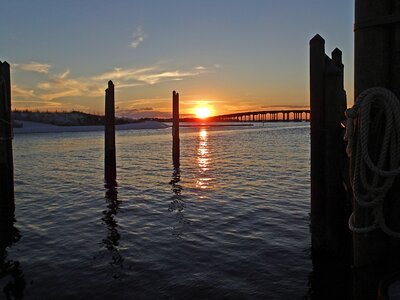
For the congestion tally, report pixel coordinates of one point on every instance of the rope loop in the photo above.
(370, 191)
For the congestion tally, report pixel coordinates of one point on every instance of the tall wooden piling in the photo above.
(175, 129)
(372, 68)
(377, 64)
(110, 168)
(317, 107)
(7, 205)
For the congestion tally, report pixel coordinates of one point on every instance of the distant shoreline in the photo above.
(36, 127)
(215, 125)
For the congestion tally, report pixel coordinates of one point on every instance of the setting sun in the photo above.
(202, 112)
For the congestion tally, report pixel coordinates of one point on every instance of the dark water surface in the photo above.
(231, 223)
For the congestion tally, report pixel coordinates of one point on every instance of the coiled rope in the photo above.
(370, 192)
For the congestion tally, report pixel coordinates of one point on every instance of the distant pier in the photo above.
(297, 115)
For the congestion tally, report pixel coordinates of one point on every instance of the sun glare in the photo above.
(202, 112)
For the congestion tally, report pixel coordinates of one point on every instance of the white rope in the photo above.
(370, 192)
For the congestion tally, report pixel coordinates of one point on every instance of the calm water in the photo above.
(231, 223)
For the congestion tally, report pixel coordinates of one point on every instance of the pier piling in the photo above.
(328, 197)
(175, 129)
(7, 205)
(377, 64)
(336, 203)
(110, 169)
(317, 68)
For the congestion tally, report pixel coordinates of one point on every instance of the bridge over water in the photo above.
(265, 116)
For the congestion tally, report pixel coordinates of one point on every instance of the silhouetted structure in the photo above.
(110, 172)
(377, 64)
(328, 196)
(296, 115)
(7, 205)
(175, 129)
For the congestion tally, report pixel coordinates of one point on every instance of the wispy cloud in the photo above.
(61, 86)
(126, 85)
(65, 85)
(138, 37)
(156, 77)
(33, 66)
(126, 74)
(26, 98)
(148, 75)
(20, 92)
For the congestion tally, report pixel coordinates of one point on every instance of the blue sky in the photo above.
(227, 54)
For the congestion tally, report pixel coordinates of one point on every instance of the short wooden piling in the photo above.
(328, 197)
(175, 130)
(337, 60)
(7, 205)
(317, 108)
(110, 169)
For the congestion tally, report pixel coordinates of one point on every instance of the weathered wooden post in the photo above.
(110, 168)
(330, 235)
(328, 196)
(175, 129)
(372, 68)
(317, 107)
(337, 60)
(377, 64)
(7, 205)
(336, 212)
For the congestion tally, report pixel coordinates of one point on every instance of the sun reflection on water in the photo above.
(203, 160)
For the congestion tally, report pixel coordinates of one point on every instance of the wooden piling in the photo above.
(372, 68)
(337, 60)
(6, 156)
(328, 196)
(377, 64)
(336, 214)
(7, 205)
(317, 107)
(110, 168)
(175, 130)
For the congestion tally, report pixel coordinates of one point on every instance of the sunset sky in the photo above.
(229, 55)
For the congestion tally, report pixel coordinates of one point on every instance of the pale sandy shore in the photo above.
(34, 127)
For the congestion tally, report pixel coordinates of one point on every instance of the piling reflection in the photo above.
(203, 160)
(11, 275)
(175, 183)
(112, 240)
(177, 204)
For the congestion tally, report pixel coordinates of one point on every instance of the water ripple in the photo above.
(231, 222)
